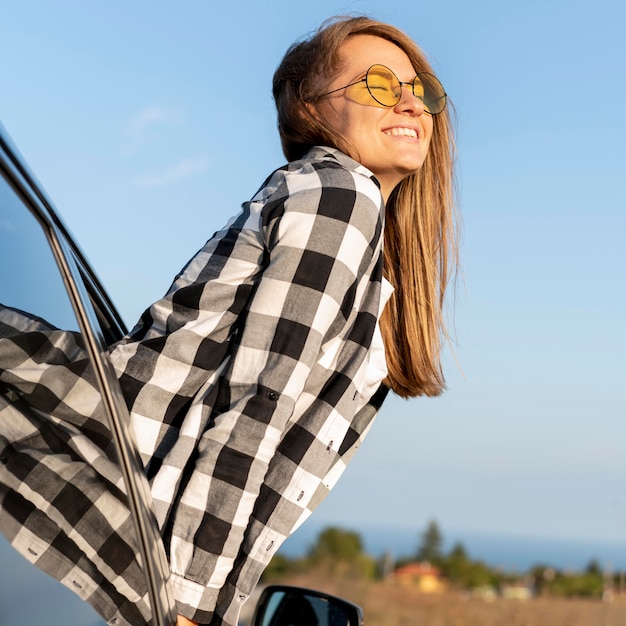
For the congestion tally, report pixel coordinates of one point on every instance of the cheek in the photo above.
(330, 116)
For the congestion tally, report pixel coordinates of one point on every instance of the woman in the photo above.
(252, 382)
(281, 308)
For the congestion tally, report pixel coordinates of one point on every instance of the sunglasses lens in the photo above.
(428, 89)
(385, 88)
(383, 85)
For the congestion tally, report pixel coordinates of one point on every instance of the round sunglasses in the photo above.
(385, 88)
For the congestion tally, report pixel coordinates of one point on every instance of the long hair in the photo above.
(420, 239)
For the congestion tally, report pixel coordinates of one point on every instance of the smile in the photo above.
(401, 132)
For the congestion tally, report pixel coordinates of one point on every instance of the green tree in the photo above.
(479, 574)
(542, 575)
(337, 544)
(456, 565)
(430, 544)
(339, 552)
(278, 567)
(577, 585)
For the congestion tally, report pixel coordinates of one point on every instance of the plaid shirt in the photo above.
(252, 382)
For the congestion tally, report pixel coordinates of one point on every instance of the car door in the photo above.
(48, 290)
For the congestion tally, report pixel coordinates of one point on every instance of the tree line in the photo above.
(340, 552)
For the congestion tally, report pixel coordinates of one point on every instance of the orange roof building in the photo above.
(423, 575)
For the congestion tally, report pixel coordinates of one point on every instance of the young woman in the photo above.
(252, 382)
(283, 333)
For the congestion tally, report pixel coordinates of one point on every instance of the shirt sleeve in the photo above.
(322, 231)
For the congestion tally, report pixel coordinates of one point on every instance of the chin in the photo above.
(410, 163)
(410, 169)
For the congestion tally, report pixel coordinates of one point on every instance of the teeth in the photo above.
(402, 132)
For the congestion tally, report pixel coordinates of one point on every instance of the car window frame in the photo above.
(100, 325)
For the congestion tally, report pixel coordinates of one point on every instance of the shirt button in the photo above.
(272, 395)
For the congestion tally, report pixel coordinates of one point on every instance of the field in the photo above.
(393, 604)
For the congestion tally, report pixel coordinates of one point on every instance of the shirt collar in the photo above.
(320, 152)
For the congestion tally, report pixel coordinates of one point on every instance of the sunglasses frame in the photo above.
(431, 78)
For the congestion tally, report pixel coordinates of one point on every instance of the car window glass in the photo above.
(29, 277)
(286, 608)
(33, 295)
(74, 498)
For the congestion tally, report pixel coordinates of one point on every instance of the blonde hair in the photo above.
(420, 241)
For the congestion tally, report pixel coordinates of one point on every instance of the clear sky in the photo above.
(149, 122)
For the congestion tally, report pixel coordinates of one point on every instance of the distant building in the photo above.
(517, 591)
(424, 576)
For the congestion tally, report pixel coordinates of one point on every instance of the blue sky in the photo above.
(149, 123)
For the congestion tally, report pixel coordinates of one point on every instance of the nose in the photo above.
(409, 102)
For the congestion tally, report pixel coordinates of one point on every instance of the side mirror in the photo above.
(282, 605)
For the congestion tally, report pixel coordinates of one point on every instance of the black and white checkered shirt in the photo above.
(250, 386)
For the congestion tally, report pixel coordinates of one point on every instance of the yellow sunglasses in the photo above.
(385, 88)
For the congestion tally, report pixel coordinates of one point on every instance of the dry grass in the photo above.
(393, 604)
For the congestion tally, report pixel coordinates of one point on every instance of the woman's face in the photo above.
(392, 142)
